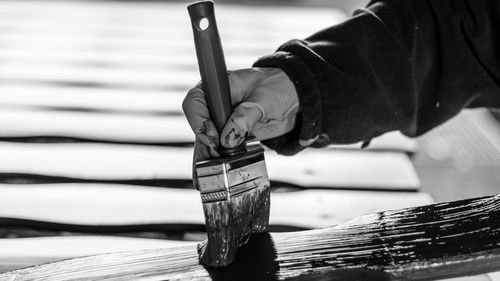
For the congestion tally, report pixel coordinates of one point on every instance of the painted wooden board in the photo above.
(23, 252)
(161, 121)
(321, 168)
(109, 204)
(432, 242)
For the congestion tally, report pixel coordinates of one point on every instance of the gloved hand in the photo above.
(266, 106)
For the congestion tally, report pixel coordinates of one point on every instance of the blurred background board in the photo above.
(98, 204)
(121, 162)
(462, 157)
(90, 105)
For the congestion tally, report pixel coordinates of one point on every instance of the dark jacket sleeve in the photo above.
(406, 65)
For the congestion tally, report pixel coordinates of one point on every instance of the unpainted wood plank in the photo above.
(97, 125)
(322, 168)
(158, 13)
(16, 253)
(158, 44)
(437, 241)
(74, 32)
(109, 204)
(118, 77)
(152, 31)
(93, 99)
(114, 59)
(78, 115)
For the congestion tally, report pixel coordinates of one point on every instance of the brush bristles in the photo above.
(230, 222)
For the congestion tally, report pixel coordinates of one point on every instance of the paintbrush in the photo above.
(234, 188)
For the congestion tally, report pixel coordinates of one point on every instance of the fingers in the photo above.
(209, 138)
(196, 112)
(240, 123)
(195, 108)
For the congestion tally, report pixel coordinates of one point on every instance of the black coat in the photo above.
(406, 65)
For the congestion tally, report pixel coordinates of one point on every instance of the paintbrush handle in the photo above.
(212, 67)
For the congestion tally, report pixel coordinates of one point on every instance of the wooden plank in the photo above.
(78, 115)
(116, 59)
(158, 13)
(137, 32)
(97, 126)
(134, 30)
(125, 78)
(108, 204)
(53, 40)
(437, 241)
(15, 97)
(23, 252)
(312, 168)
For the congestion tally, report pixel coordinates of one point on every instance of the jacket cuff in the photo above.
(309, 120)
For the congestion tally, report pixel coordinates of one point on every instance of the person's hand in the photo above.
(265, 105)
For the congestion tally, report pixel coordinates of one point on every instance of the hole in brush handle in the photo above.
(203, 24)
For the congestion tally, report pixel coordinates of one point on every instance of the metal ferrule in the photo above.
(220, 179)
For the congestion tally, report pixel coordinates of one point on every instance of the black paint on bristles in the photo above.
(230, 223)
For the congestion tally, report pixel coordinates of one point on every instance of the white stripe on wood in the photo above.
(313, 167)
(119, 127)
(74, 246)
(100, 126)
(183, 44)
(18, 96)
(110, 204)
(157, 13)
(117, 59)
(116, 77)
(23, 252)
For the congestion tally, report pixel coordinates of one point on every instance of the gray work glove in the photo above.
(265, 106)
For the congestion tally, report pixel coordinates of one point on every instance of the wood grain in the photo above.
(23, 252)
(112, 162)
(423, 243)
(98, 204)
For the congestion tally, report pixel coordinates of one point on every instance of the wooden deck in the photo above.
(95, 154)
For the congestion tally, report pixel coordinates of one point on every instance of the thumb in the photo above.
(241, 121)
